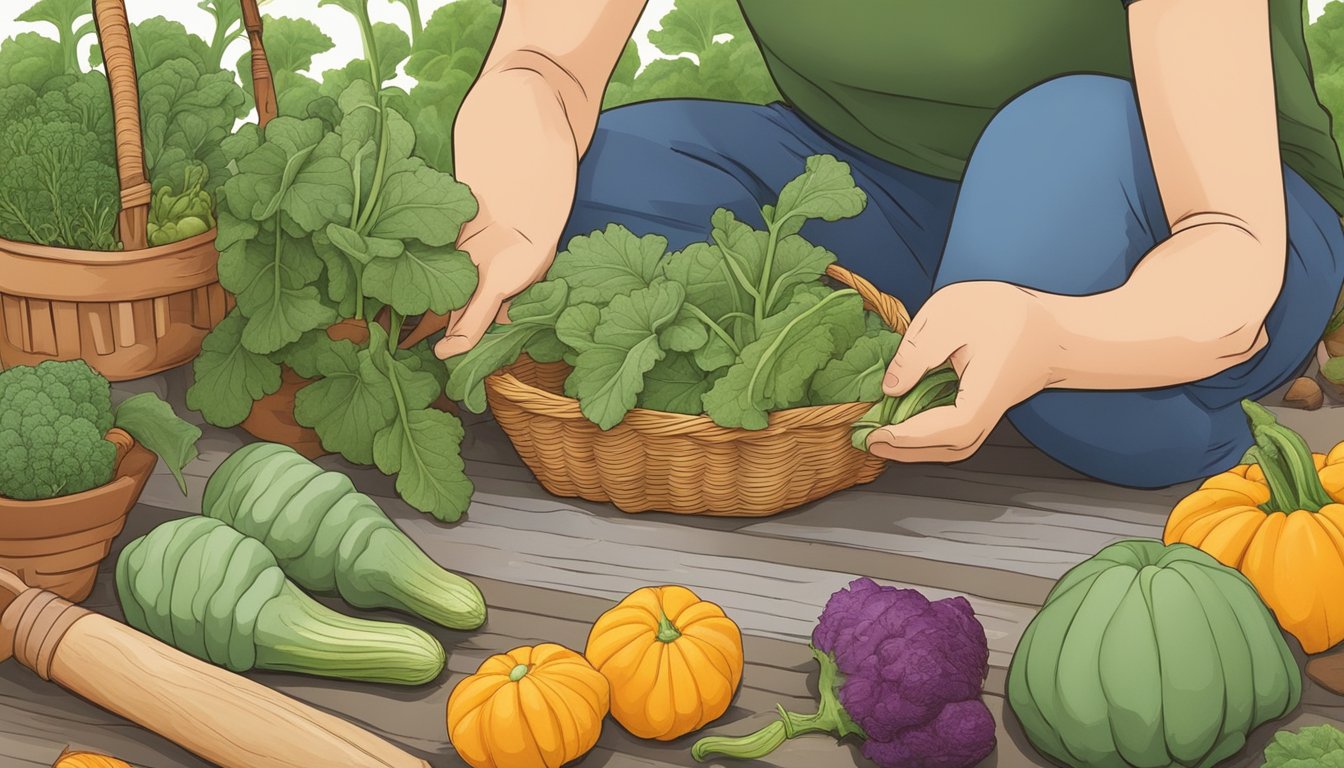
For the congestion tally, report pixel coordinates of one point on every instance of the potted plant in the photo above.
(332, 234)
(71, 467)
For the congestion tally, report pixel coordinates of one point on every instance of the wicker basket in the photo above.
(133, 312)
(667, 462)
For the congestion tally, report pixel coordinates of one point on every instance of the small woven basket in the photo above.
(667, 462)
(133, 312)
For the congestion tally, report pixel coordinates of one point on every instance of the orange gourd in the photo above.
(533, 707)
(72, 759)
(1277, 518)
(673, 660)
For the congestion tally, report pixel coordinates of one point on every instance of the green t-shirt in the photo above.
(915, 81)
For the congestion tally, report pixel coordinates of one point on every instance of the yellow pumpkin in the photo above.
(673, 660)
(72, 759)
(1278, 518)
(533, 707)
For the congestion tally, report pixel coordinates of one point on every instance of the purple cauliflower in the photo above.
(900, 672)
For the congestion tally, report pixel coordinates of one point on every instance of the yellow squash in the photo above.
(533, 707)
(73, 759)
(673, 660)
(1278, 519)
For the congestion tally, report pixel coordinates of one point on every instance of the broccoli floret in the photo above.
(898, 671)
(53, 422)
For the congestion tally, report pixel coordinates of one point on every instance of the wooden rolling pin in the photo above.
(224, 718)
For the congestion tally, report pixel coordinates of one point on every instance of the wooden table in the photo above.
(998, 529)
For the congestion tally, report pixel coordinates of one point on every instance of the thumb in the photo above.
(918, 353)
(468, 325)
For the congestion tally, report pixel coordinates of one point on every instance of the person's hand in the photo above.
(998, 339)
(507, 263)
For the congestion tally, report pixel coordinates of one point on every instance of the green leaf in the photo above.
(703, 271)
(154, 425)
(715, 355)
(676, 385)
(348, 404)
(603, 264)
(298, 168)
(857, 375)
(362, 249)
(825, 190)
(228, 378)
(577, 325)
(773, 371)
(422, 279)
(692, 25)
(273, 285)
(302, 355)
(1317, 746)
(425, 205)
(609, 376)
(186, 113)
(424, 451)
(290, 44)
(797, 263)
(417, 388)
(63, 15)
(30, 59)
(686, 333)
(533, 312)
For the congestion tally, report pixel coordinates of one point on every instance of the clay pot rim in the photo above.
(134, 463)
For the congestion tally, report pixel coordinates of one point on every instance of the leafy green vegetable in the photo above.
(32, 60)
(153, 424)
(185, 114)
(64, 15)
(1314, 746)
(174, 217)
(290, 45)
(228, 18)
(734, 328)
(330, 218)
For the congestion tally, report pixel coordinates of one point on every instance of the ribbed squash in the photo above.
(673, 660)
(1278, 519)
(1153, 657)
(74, 759)
(533, 707)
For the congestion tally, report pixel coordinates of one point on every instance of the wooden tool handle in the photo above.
(224, 718)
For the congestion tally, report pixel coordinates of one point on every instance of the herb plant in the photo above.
(734, 328)
(325, 223)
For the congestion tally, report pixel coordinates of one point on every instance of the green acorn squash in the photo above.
(1150, 656)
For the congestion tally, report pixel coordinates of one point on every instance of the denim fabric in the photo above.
(1059, 195)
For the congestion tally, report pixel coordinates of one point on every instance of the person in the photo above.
(1116, 219)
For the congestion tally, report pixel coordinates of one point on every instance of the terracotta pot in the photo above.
(57, 544)
(272, 417)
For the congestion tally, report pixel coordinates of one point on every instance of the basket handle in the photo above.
(263, 85)
(114, 37)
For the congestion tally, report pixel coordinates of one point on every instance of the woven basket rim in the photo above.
(559, 406)
(26, 250)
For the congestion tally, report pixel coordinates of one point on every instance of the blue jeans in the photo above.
(1059, 196)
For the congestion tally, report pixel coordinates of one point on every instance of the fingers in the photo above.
(468, 325)
(947, 433)
(921, 350)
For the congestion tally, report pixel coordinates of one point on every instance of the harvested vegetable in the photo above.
(197, 584)
(54, 418)
(673, 660)
(1315, 746)
(329, 218)
(1276, 517)
(328, 537)
(174, 217)
(533, 707)
(898, 671)
(936, 389)
(1150, 655)
(735, 328)
(72, 759)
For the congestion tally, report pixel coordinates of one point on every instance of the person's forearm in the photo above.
(515, 146)
(1195, 306)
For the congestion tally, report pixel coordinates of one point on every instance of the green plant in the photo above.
(290, 46)
(329, 221)
(218, 595)
(733, 328)
(64, 15)
(54, 418)
(327, 537)
(1150, 655)
(1315, 746)
(228, 18)
(174, 217)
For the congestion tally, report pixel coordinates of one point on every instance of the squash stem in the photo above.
(518, 672)
(667, 631)
(830, 717)
(1286, 460)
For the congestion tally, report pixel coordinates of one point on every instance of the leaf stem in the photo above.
(713, 326)
(783, 334)
(763, 290)
(730, 257)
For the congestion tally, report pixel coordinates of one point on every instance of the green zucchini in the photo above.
(328, 537)
(208, 590)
